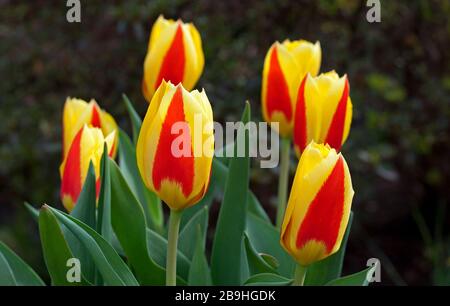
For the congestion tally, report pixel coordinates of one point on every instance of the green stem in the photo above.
(172, 246)
(283, 179)
(299, 276)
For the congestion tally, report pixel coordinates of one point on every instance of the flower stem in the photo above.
(299, 276)
(283, 179)
(172, 246)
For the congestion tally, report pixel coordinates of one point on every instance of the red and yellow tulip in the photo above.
(174, 54)
(77, 113)
(87, 146)
(323, 112)
(180, 180)
(285, 66)
(319, 205)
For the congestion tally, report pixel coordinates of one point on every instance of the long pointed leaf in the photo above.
(148, 200)
(112, 268)
(130, 226)
(226, 252)
(23, 274)
(55, 248)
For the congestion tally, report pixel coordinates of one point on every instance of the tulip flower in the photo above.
(319, 205)
(174, 154)
(87, 146)
(323, 112)
(285, 66)
(77, 113)
(174, 54)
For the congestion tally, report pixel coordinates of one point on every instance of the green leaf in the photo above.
(329, 268)
(55, 248)
(136, 121)
(220, 174)
(157, 248)
(148, 200)
(265, 238)
(255, 207)
(104, 200)
(199, 273)
(270, 260)
(226, 251)
(6, 274)
(256, 263)
(268, 279)
(130, 226)
(112, 268)
(357, 279)
(189, 233)
(33, 211)
(84, 211)
(22, 274)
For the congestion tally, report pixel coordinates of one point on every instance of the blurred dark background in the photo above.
(399, 71)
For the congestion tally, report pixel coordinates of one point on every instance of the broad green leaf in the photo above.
(148, 200)
(55, 248)
(265, 238)
(130, 226)
(84, 211)
(189, 233)
(256, 208)
(199, 273)
(112, 268)
(256, 263)
(329, 268)
(226, 251)
(22, 273)
(157, 248)
(6, 274)
(268, 279)
(136, 121)
(220, 174)
(104, 200)
(358, 279)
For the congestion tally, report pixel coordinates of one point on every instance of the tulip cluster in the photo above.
(173, 162)
(86, 128)
(316, 112)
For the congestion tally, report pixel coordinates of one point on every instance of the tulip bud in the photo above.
(176, 145)
(174, 54)
(323, 112)
(285, 66)
(87, 146)
(77, 113)
(319, 205)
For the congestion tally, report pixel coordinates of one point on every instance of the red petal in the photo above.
(95, 119)
(71, 180)
(165, 165)
(172, 67)
(323, 218)
(336, 130)
(277, 97)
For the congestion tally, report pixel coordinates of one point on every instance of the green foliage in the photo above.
(226, 252)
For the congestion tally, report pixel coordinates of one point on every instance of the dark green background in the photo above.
(398, 149)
